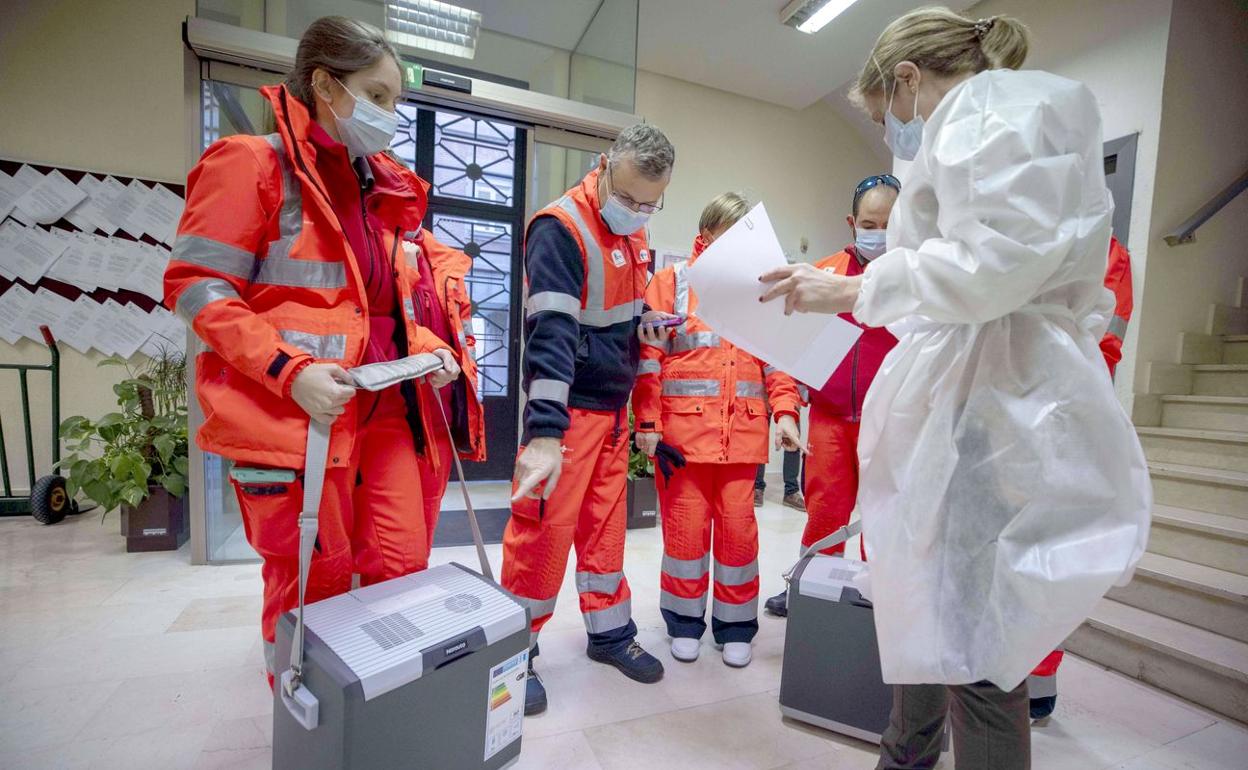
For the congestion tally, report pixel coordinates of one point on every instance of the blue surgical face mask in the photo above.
(621, 219)
(903, 139)
(870, 243)
(369, 129)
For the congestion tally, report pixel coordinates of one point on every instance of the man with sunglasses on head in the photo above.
(831, 472)
(587, 265)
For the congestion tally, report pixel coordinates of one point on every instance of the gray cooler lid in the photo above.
(379, 631)
(826, 576)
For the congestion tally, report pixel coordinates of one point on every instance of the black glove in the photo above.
(669, 459)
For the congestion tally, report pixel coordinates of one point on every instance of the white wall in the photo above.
(1117, 48)
(1202, 149)
(98, 86)
(802, 164)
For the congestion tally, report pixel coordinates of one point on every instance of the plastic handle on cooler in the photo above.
(827, 541)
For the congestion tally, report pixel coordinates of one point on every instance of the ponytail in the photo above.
(1003, 41)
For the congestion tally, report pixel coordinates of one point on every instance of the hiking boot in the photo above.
(778, 605)
(795, 501)
(534, 694)
(631, 660)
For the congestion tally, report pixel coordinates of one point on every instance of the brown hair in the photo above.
(942, 41)
(340, 46)
(723, 211)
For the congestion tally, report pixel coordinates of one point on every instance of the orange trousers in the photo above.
(371, 521)
(831, 477)
(587, 509)
(701, 503)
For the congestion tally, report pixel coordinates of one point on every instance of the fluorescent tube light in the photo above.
(810, 16)
(435, 26)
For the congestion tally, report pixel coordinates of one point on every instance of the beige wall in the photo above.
(1202, 149)
(1117, 48)
(91, 85)
(802, 164)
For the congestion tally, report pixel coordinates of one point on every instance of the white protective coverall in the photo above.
(1003, 489)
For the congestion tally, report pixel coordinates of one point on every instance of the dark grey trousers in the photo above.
(991, 727)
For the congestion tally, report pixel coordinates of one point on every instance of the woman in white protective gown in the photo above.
(1003, 490)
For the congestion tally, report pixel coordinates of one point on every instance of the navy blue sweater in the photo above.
(598, 364)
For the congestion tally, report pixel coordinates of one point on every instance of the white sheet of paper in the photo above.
(95, 255)
(126, 334)
(51, 199)
(100, 197)
(808, 346)
(120, 203)
(25, 178)
(70, 266)
(10, 191)
(47, 309)
(14, 305)
(161, 212)
(28, 252)
(149, 271)
(120, 257)
(10, 233)
(169, 335)
(77, 328)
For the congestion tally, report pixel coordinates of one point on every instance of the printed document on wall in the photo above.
(808, 346)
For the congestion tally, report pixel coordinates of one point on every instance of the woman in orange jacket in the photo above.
(287, 266)
(709, 401)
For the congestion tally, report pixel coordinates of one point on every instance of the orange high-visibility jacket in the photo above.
(263, 274)
(707, 397)
(1118, 280)
(450, 267)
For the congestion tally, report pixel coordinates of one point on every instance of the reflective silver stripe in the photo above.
(768, 370)
(319, 345)
(1042, 686)
(735, 576)
(280, 270)
(681, 304)
(214, 255)
(199, 295)
(610, 618)
(538, 608)
(270, 657)
(803, 392)
(686, 569)
(691, 388)
(599, 583)
(694, 608)
(649, 366)
(684, 342)
(665, 345)
(746, 389)
(409, 308)
(595, 272)
(735, 613)
(1118, 328)
(549, 390)
(619, 314)
(553, 301)
(290, 221)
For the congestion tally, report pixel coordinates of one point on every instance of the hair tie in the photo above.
(983, 25)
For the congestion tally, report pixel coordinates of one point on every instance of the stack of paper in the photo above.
(27, 252)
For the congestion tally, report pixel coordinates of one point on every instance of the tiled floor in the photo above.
(110, 659)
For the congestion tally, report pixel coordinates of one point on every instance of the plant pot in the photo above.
(643, 503)
(157, 524)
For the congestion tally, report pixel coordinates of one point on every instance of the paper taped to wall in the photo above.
(808, 346)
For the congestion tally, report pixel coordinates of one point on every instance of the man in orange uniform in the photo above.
(708, 400)
(587, 262)
(832, 467)
(1042, 684)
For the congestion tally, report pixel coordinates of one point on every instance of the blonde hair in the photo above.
(942, 41)
(723, 211)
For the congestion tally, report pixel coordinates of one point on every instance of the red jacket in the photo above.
(1118, 280)
(262, 273)
(843, 393)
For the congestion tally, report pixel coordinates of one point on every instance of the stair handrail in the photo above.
(1186, 232)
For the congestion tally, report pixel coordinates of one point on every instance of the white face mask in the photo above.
(368, 129)
(870, 243)
(621, 219)
(903, 139)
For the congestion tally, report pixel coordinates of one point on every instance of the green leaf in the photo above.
(74, 426)
(112, 361)
(134, 495)
(164, 445)
(181, 464)
(139, 471)
(175, 483)
(71, 486)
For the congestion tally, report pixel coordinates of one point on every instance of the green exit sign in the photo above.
(413, 76)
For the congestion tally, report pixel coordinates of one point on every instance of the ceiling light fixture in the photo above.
(433, 26)
(810, 16)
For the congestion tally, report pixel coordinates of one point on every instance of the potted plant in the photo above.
(135, 459)
(643, 498)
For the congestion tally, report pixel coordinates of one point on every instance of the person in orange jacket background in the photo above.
(285, 266)
(705, 402)
(831, 478)
(1042, 684)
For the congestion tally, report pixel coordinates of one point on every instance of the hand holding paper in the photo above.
(807, 289)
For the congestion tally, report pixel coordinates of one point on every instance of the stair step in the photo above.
(1224, 449)
(1227, 319)
(1220, 379)
(1209, 598)
(1203, 538)
(1205, 412)
(1205, 489)
(1204, 667)
(1235, 349)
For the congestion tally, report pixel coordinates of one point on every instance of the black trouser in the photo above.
(991, 727)
(792, 470)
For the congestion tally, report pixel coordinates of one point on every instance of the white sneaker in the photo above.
(738, 654)
(685, 649)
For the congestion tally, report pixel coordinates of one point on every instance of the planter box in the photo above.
(157, 524)
(643, 504)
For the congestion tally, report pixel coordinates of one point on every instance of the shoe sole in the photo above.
(535, 710)
(684, 660)
(644, 679)
(777, 613)
(738, 665)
